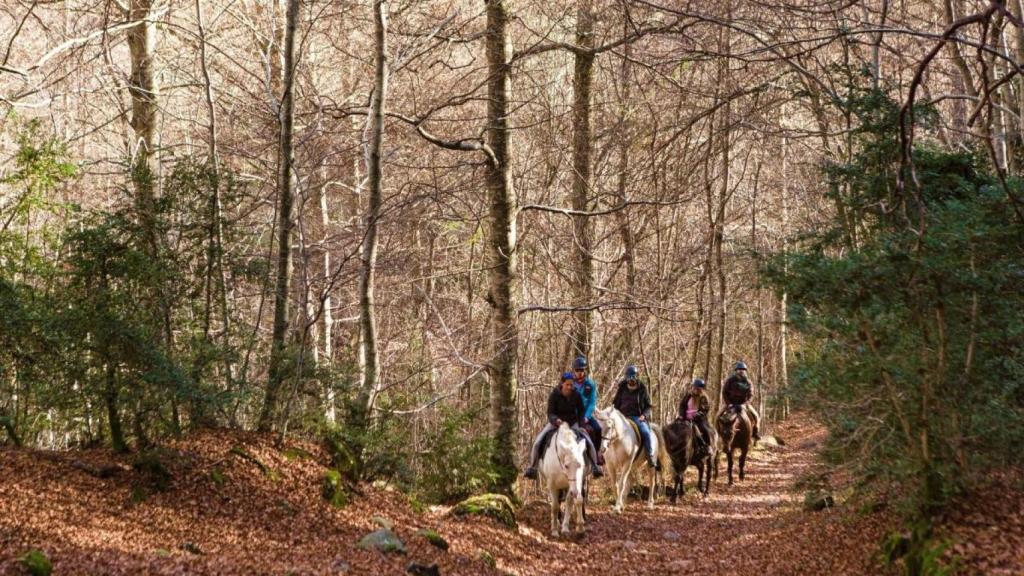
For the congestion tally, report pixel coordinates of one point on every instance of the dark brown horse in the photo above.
(735, 430)
(682, 449)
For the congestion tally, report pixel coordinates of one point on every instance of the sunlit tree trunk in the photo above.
(501, 257)
(582, 332)
(286, 190)
(368, 361)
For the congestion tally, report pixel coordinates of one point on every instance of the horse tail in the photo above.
(662, 455)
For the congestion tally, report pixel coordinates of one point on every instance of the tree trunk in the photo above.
(783, 381)
(215, 282)
(143, 90)
(501, 256)
(327, 317)
(113, 415)
(285, 187)
(368, 362)
(584, 277)
(723, 199)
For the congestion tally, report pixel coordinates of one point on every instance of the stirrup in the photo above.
(596, 471)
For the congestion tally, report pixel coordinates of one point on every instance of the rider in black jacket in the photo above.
(564, 405)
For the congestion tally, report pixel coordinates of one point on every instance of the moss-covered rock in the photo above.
(817, 500)
(433, 537)
(153, 467)
(296, 453)
(246, 455)
(496, 506)
(333, 489)
(37, 563)
(384, 540)
(487, 558)
(217, 476)
(383, 522)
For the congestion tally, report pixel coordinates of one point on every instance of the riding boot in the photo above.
(701, 448)
(652, 462)
(596, 470)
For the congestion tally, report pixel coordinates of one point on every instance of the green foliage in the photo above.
(37, 563)
(93, 305)
(456, 462)
(918, 552)
(909, 304)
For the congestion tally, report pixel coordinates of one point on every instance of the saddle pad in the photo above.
(636, 430)
(545, 442)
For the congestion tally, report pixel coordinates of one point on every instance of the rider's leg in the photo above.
(702, 424)
(645, 435)
(595, 465)
(595, 426)
(531, 471)
(596, 437)
(755, 420)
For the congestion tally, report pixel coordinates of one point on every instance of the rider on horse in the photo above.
(694, 407)
(737, 392)
(587, 389)
(633, 401)
(564, 405)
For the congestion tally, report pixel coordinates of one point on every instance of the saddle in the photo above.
(545, 442)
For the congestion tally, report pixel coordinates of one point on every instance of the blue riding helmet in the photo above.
(631, 371)
(580, 363)
(567, 376)
(740, 365)
(698, 383)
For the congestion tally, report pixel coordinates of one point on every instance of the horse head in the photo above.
(611, 427)
(727, 424)
(570, 450)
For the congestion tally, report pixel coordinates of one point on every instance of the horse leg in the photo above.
(570, 502)
(682, 479)
(743, 461)
(555, 507)
(654, 486)
(586, 496)
(729, 469)
(580, 503)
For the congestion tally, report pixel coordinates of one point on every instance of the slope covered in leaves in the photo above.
(234, 504)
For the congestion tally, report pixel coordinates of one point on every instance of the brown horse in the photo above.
(682, 449)
(735, 430)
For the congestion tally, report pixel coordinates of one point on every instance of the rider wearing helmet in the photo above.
(564, 405)
(632, 400)
(694, 407)
(737, 392)
(587, 390)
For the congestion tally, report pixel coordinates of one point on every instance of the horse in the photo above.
(622, 449)
(735, 430)
(564, 471)
(681, 446)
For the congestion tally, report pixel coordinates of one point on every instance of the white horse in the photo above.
(624, 453)
(563, 470)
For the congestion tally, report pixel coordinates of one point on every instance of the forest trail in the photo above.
(225, 514)
(757, 526)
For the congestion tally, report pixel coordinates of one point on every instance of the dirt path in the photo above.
(754, 527)
(223, 514)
